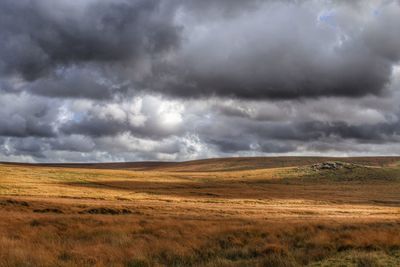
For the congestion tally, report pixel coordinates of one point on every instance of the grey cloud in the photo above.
(251, 50)
(24, 147)
(277, 147)
(29, 146)
(75, 143)
(282, 51)
(249, 143)
(231, 145)
(316, 130)
(206, 9)
(95, 127)
(38, 36)
(25, 116)
(382, 36)
(100, 127)
(122, 80)
(76, 82)
(147, 120)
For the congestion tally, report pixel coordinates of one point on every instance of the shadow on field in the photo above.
(377, 194)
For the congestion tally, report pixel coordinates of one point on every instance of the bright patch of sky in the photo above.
(327, 17)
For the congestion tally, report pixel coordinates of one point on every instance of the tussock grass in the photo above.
(239, 212)
(126, 241)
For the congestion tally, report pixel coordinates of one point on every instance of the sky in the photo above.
(134, 80)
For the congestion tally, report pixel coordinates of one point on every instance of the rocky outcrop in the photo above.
(331, 165)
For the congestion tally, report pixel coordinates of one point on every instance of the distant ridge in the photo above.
(221, 164)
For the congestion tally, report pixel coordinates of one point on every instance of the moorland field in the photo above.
(277, 211)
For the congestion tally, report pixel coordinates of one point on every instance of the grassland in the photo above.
(288, 211)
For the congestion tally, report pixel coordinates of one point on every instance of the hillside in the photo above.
(285, 211)
(224, 164)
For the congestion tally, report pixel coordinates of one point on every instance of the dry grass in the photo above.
(204, 213)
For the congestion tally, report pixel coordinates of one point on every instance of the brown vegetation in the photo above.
(224, 212)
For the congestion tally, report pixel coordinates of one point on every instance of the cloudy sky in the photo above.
(126, 80)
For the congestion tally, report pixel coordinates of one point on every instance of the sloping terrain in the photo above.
(285, 211)
(224, 164)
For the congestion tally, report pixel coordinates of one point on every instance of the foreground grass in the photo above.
(100, 240)
(211, 213)
(361, 258)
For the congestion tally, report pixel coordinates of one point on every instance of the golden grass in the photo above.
(203, 213)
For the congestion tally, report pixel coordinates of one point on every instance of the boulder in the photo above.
(330, 165)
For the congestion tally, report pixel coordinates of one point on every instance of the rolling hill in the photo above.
(283, 211)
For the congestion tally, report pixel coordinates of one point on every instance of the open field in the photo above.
(287, 211)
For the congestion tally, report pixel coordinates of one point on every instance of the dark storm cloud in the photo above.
(289, 51)
(22, 116)
(251, 49)
(250, 143)
(283, 132)
(38, 36)
(258, 79)
(93, 80)
(316, 130)
(231, 145)
(95, 127)
(76, 143)
(20, 127)
(75, 82)
(277, 147)
(383, 35)
(28, 146)
(308, 131)
(206, 9)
